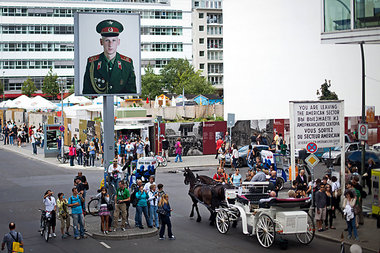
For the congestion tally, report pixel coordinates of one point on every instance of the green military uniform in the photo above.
(104, 76)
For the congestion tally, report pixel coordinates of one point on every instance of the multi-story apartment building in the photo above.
(38, 35)
(208, 40)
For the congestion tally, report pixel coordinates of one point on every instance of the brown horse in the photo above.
(211, 196)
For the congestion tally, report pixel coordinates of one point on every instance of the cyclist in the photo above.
(50, 206)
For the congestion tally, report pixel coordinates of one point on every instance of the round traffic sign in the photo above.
(363, 130)
(62, 128)
(311, 147)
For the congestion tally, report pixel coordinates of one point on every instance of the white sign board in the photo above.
(319, 122)
(363, 132)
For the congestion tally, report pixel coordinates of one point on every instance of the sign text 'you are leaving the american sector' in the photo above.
(318, 122)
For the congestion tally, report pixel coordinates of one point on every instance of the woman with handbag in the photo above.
(222, 155)
(350, 217)
(104, 211)
(164, 211)
(329, 208)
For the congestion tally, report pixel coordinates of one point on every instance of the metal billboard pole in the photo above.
(108, 131)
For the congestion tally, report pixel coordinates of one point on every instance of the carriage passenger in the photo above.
(235, 179)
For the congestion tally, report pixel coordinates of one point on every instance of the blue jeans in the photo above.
(138, 218)
(153, 214)
(179, 156)
(78, 220)
(11, 139)
(352, 226)
(92, 159)
(42, 143)
(80, 158)
(34, 148)
(165, 220)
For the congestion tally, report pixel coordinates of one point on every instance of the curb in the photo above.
(332, 239)
(130, 235)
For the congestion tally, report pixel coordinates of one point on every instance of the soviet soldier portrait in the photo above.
(109, 72)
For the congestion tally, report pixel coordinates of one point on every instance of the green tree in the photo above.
(151, 84)
(71, 90)
(50, 86)
(28, 87)
(179, 74)
(324, 92)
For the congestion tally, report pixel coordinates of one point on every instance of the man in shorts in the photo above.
(320, 207)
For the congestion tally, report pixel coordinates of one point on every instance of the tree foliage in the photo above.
(151, 84)
(72, 89)
(179, 74)
(50, 86)
(324, 92)
(28, 87)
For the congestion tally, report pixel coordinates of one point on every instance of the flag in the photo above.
(147, 100)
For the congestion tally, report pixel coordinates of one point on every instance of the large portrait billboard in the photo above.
(107, 54)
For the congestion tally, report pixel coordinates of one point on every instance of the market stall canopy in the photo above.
(21, 102)
(72, 99)
(6, 104)
(99, 100)
(40, 103)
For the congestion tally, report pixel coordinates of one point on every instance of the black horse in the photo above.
(210, 196)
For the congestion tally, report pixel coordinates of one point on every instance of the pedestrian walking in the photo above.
(178, 150)
(13, 239)
(63, 215)
(329, 208)
(165, 213)
(121, 199)
(368, 175)
(147, 146)
(75, 202)
(222, 155)
(139, 148)
(219, 143)
(51, 206)
(104, 211)
(34, 142)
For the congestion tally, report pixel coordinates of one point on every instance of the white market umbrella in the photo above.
(156, 102)
(40, 103)
(173, 101)
(72, 99)
(164, 102)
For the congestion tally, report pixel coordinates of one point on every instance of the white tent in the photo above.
(173, 101)
(72, 99)
(6, 104)
(21, 102)
(40, 103)
(156, 102)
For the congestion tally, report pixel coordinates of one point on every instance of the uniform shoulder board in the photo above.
(93, 58)
(125, 58)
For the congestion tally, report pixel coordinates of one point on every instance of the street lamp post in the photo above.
(363, 120)
(61, 82)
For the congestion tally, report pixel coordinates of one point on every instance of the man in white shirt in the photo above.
(129, 149)
(114, 172)
(147, 185)
(50, 206)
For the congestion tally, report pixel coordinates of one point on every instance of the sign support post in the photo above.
(292, 142)
(109, 138)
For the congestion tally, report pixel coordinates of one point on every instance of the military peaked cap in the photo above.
(109, 28)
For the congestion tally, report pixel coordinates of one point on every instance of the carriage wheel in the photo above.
(222, 221)
(306, 238)
(265, 231)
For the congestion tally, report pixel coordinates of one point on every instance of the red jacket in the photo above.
(72, 151)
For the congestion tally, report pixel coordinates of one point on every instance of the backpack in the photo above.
(133, 199)
(16, 245)
(281, 141)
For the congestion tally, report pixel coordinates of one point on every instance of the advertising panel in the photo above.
(107, 54)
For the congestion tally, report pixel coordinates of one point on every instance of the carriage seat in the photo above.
(253, 198)
(285, 203)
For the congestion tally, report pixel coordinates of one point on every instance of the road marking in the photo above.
(105, 245)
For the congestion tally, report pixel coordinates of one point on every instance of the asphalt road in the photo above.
(24, 182)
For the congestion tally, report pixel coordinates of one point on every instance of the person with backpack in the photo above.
(12, 239)
(75, 202)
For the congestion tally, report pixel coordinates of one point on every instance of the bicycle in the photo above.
(65, 157)
(93, 205)
(2, 137)
(45, 224)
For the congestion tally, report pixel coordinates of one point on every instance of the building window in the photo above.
(201, 28)
(337, 15)
(202, 66)
(201, 15)
(201, 40)
(201, 53)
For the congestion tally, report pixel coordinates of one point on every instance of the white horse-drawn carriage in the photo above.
(266, 216)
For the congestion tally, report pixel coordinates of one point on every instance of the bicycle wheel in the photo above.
(1, 137)
(59, 158)
(164, 162)
(93, 206)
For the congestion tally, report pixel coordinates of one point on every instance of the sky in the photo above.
(273, 54)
